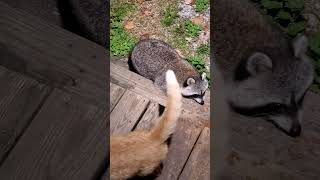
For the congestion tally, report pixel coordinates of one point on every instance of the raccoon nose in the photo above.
(202, 102)
(295, 131)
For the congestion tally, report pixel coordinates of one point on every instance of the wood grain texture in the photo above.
(67, 140)
(115, 94)
(198, 164)
(46, 9)
(20, 99)
(52, 55)
(180, 148)
(150, 117)
(127, 112)
(136, 83)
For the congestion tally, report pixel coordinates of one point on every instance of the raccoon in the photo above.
(265, 74)
(151, 58)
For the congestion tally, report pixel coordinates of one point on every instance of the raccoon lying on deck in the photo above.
(151, 58)
(265, 75)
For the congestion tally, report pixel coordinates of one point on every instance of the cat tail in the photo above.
(168, 121)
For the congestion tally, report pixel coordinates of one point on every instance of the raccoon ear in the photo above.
(258, 62)
(203, 76)
(190, 81)
(300, 46)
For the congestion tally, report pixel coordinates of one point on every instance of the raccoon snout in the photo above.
(202, 102)
(295, 131)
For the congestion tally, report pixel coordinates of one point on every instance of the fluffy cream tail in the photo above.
(172, 112)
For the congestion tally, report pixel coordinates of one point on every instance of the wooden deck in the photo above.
(53, 117)
(136, 103)
(53, 99)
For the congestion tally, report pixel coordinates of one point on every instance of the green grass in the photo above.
(198, 62)
(169, 16)
(203, 49)
(191, 29)
(202, 5)
(314, 53)
(120, 40)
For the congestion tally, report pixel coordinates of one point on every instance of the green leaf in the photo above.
(294, 28)
(295, 4)
(268, 4)
(201, 5)
(191, 29)
(169, 16)
(314, 43)
(283, 15)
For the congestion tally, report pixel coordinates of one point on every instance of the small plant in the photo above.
(201, 5)
(198, 62)
(287, 13)
(169, 15)
(203, 49)
(191, 29)
(120, 40)
(118, 12)
(314, 53)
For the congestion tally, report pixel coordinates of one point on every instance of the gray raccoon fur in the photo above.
(151, 58)
(265, 74)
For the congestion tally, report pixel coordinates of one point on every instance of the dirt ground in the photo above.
(145, 21)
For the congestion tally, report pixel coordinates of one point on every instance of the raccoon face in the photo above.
(274, 87)
(195, 88)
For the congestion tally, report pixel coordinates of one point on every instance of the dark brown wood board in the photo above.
(126, 114)
(53, 55)
(183, 141)
(67, 140)
(20, 99)
(198, 165)
(150, 117)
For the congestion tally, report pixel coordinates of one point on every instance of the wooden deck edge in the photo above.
(52, 55)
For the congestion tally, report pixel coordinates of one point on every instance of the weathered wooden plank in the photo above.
(150, 117)
(127, 112)
(115, 94)
(52, 55)
(20, 98)
(180, 148)
(46, 9)
(198, 164)
(67, 140)
(136, 83)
